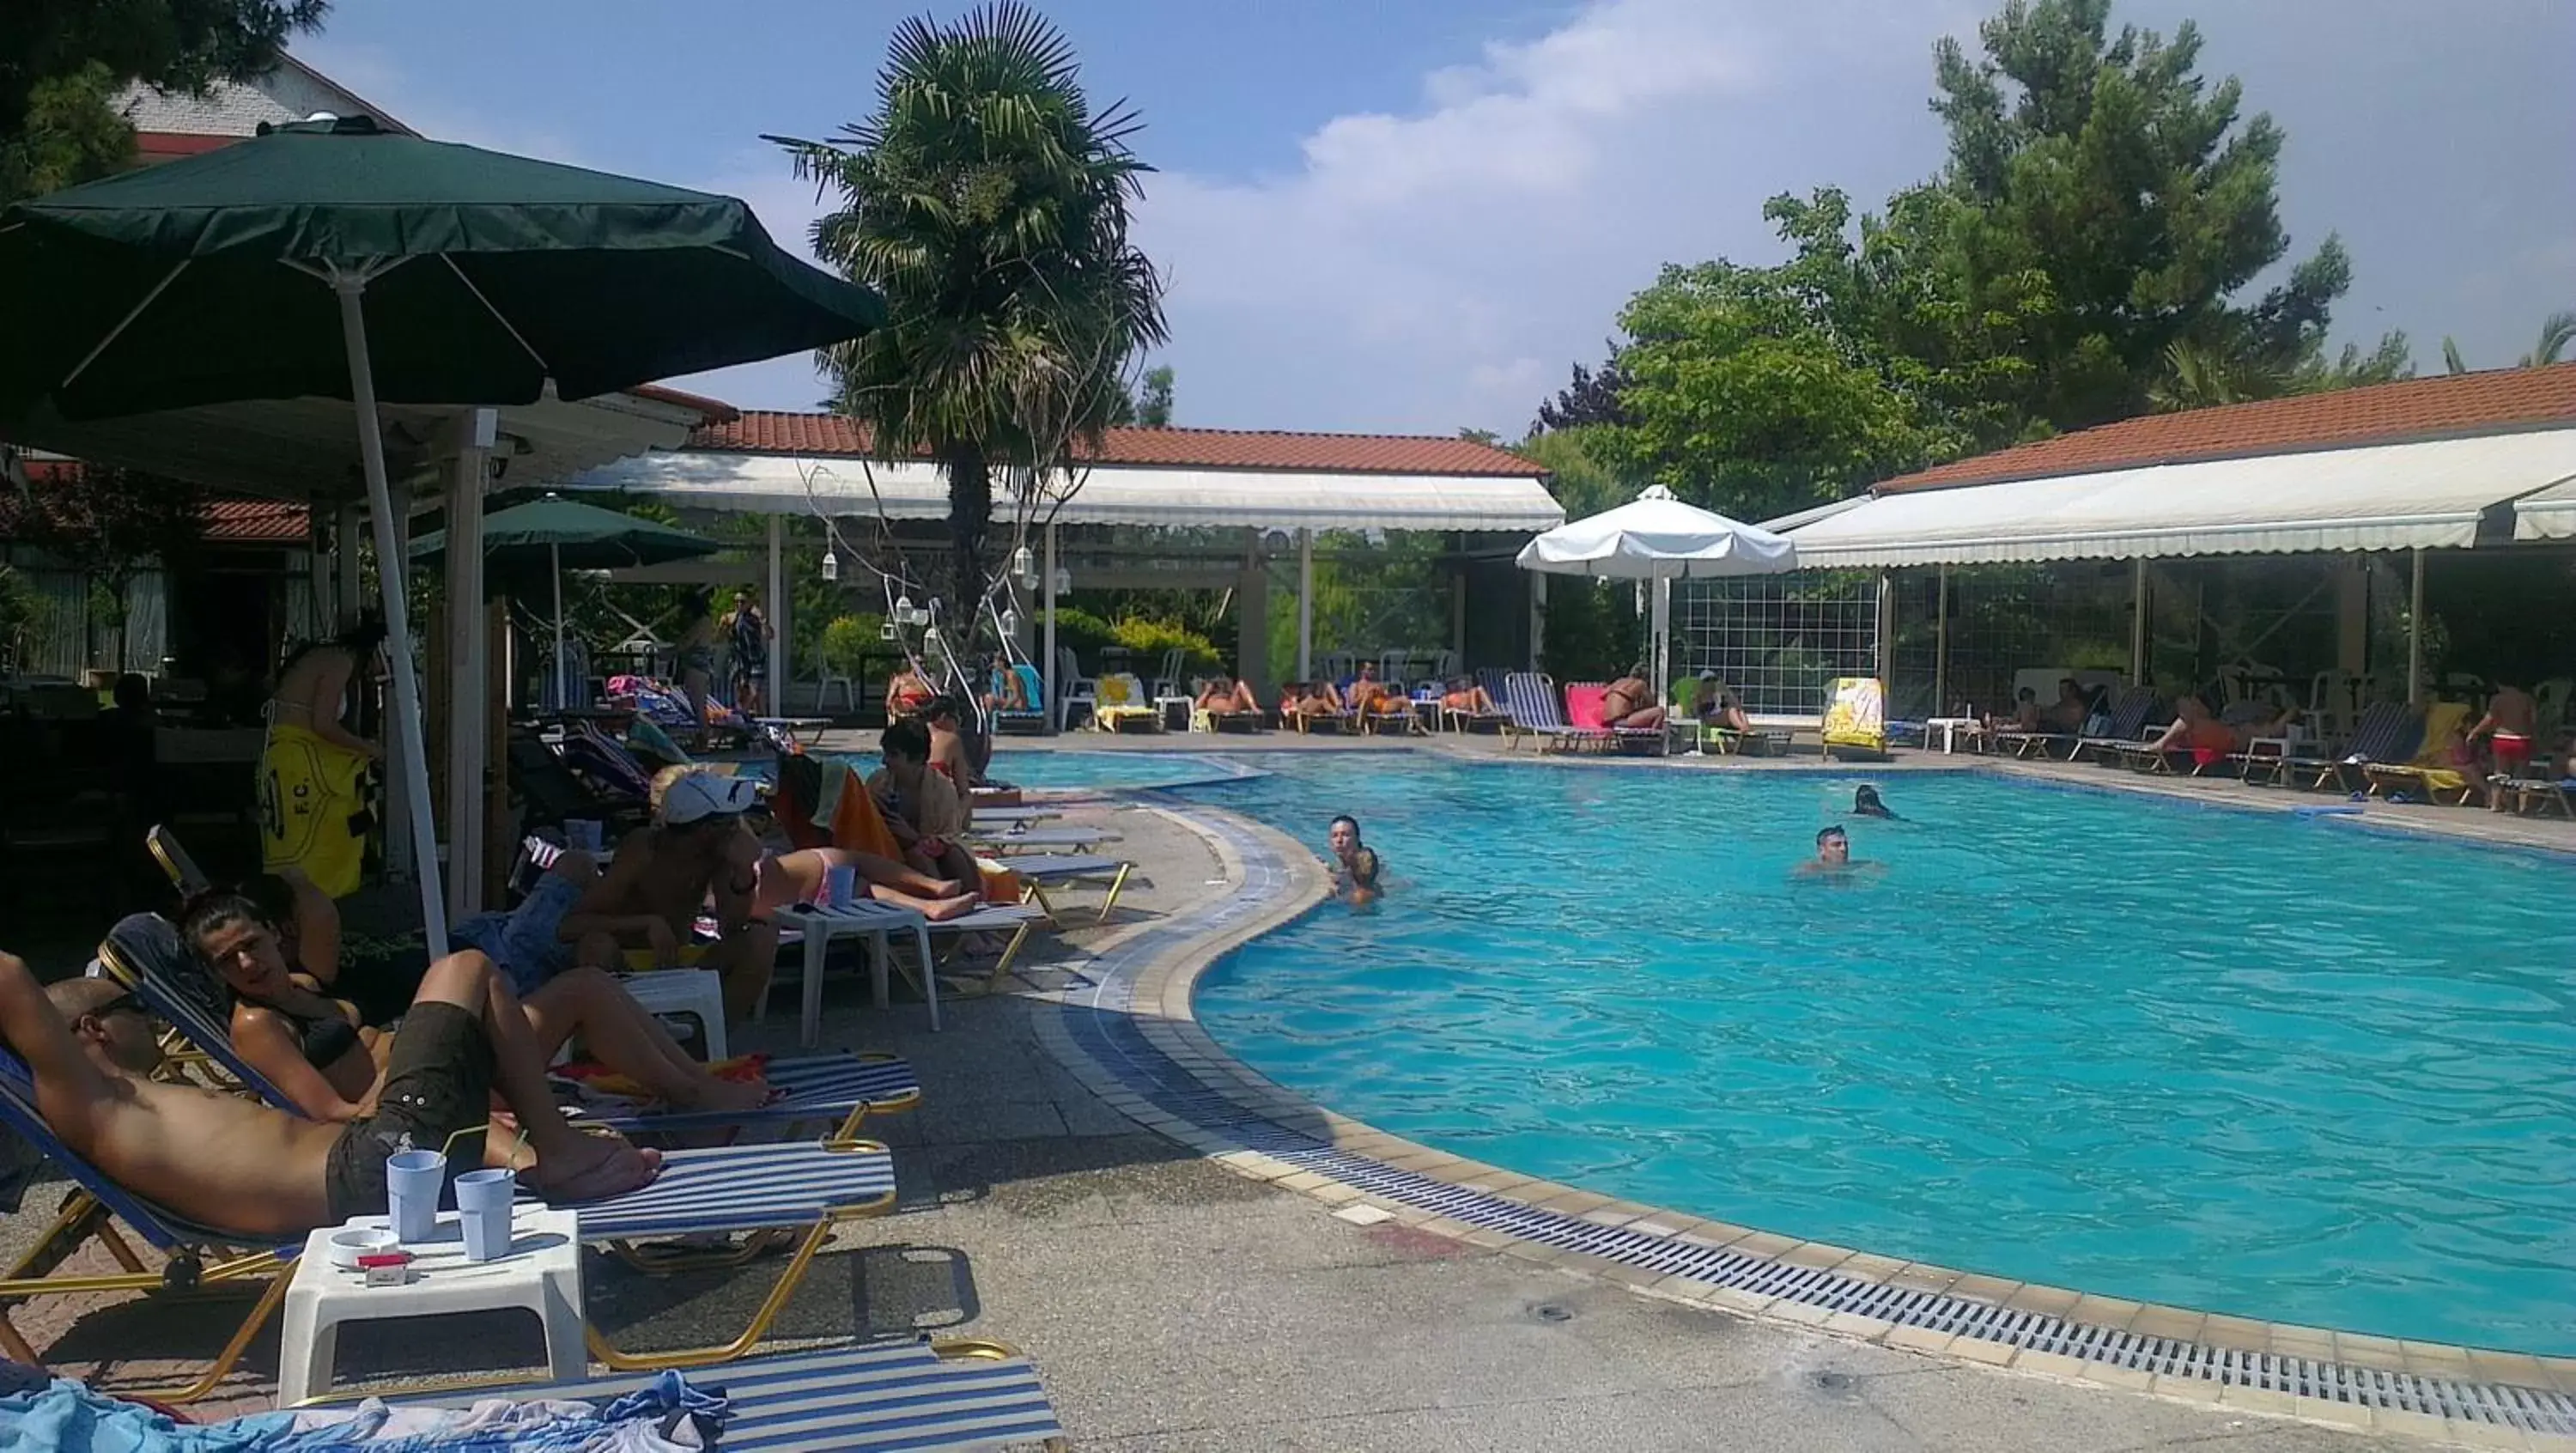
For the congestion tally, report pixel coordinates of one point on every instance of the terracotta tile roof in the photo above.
(2424, 408)
(756, 432)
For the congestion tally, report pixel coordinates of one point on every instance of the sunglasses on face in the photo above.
(122, 1003)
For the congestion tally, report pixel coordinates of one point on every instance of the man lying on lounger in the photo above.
(238, 1165)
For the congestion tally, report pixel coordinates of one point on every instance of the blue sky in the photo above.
(1412, 217)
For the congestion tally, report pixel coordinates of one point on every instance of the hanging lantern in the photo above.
(1063, 581)
(889, 632)
(1011, 623)
(903, 609)
(1024, 565)
(831, 566)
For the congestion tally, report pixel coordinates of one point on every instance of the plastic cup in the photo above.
(841, 885)
(412, 1181)
(483, 1208)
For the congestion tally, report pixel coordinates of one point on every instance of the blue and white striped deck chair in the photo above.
(194, 1256)
(1533, 704)
(1039, 871)
(143, 952)
(916, 1396)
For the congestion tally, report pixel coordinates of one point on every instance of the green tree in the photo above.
(2557, 331)
(987, 201)
(2105, 178)
(62, 63)
(111, 524)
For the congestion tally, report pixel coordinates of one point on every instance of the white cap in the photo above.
(697, 795)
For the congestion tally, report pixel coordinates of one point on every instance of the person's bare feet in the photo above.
(724, 1094)
(589, 1167)
(942, 909)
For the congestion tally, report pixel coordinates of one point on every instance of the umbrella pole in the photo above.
(1662, 680)
(389, 581)
(563, 692)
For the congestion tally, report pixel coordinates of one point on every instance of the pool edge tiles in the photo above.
(1129, 1032)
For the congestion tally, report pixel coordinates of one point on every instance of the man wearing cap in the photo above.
(1716, 706)
(664, 875)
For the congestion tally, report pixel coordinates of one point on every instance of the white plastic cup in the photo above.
(483, 1208)
(412, 1181)
(841, 885)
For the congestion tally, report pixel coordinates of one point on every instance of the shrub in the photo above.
(848, 638)
(1150, 639)
(1080, 629)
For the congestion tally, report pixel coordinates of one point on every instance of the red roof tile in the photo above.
(756, 432)
(2424, 408)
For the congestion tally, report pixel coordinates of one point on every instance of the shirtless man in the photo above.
(649, 899)
(1630, 702)
(2072, 707)
(1833, 857)
(240, 1166)
(924, 811)
(2513, 722)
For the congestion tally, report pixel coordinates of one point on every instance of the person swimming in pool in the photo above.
(1356, 866)
(1866, 803)
(1833, 857)
(1362, 889)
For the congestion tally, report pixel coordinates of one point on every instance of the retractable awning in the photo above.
(2427, 495)
(1110, 494)
(2548, 515)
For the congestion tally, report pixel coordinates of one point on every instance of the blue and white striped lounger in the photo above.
(1041, 870)
(143, 952)
(877, 1399)
(1039, 837)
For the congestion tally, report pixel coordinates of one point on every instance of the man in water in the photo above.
(1833, 857)
(244, 1167)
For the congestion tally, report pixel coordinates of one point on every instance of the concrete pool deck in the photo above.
(1180, 1295)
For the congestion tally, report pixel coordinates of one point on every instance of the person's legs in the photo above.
(937, 910)
(621, 1035)
(694, 683)
(570, 1166)
(745, 960)
(1243, 698)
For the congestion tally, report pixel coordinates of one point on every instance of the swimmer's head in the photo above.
(1364, 867)
(1833, 845)
(1865, 799)
(1344, 835)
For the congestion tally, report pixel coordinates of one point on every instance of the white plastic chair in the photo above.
(1072, 689)
(832, 676)
(1168, 681)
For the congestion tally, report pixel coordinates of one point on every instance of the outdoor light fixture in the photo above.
(903, 609)
(1023, 564)
(889, 632)
(1011, 622)
(1063, 581)
(831, 566)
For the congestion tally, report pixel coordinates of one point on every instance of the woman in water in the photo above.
(1866, 803)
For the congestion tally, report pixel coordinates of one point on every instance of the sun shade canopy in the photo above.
(1110, 494)
(2426, 495)
(1657, 537)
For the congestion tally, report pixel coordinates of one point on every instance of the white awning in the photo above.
(1120, 495)
(2548, 515)
(2385, 497)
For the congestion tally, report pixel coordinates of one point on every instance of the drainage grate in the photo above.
(1113, 1040)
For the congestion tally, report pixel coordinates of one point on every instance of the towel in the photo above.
(312, 808)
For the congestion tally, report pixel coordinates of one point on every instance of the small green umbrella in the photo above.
(334, 258)
(556, 533)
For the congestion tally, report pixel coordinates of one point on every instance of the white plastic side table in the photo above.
(542, 1273)
(867, 919)
(1949, 727)
(695, 993)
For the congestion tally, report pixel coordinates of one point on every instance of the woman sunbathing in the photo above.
(1468, 698)
(1224, 698)
(332, 1067)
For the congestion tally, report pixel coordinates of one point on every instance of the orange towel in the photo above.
(1000, 885)
(857, 826)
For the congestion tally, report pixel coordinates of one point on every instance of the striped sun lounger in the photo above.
(1041, 871)
(1532, 701)
(143, 952)
(915, 1396)
(1014, 838)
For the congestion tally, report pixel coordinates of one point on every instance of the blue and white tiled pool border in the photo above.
(1128, 1031)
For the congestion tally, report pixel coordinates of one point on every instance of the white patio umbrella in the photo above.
(1657, 537)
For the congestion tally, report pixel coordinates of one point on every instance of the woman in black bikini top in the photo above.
(279, 1017)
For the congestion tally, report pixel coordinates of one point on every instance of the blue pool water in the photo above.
(2237, 1062)
(1102, 769)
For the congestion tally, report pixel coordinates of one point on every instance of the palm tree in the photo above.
(987, 202)
(2204, 375)
(2557, 331)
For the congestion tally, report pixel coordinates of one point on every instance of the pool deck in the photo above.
(1198, 1261)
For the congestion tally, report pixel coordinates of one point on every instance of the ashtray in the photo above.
(352, 1242)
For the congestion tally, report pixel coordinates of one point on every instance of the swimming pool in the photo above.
(1105, 769)
(2232, 1061)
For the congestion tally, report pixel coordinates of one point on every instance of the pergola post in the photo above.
(401, 859)
(1305, 605)
(347, 590)
(469, 441)
(774, 688)
(1941, 643)
(2138, 622)
(2415, 635)
(1538, 615)
(1046, 661)
(1887, 630)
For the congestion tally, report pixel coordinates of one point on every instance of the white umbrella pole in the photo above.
(563, 693)
(1663, 678)
(389, 582)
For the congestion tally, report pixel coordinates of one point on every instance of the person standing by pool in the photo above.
(2511, 722)
(695, 657)
(749, 634)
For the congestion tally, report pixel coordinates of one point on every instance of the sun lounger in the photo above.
(917, 1396)
(1538, 712)
(1012, 922)
(1019, 836)
(1031, 721)
(2128, 727)
(143, 952)
(1039, 872)
(2387, 732)
(2434, 769)
(1583, 712)
(2547, 792)
(1855, 717)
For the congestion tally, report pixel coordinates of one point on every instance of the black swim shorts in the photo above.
(438, 1082)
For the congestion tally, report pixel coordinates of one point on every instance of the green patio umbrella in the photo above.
(334, 258)
(557, 533)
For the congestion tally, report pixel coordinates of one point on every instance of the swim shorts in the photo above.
(438, 1085)
(2512, 753)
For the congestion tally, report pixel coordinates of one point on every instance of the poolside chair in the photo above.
(918, 1396)
(550, 792)
(2388, 731)
(1855, 716)
(1073, 689)
(1583, 712)
(1531, 700)
(2128, 727)
(194, 1258)
(1123, 707)
(1031, 722)
(611, 768)
(1037, 873)
(1013, 836)
(2436, 767)
(841, 1089)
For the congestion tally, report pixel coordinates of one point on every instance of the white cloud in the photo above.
(1443, 267)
